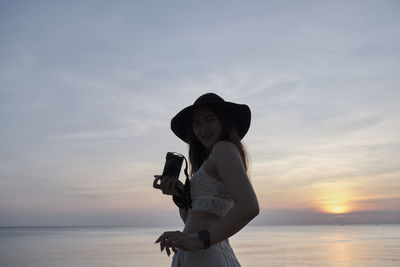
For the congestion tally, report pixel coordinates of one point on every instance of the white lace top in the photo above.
(208, 194)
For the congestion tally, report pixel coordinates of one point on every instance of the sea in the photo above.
(316, 245)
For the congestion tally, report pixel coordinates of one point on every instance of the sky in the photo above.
(88, 89)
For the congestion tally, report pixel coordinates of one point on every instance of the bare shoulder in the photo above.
(225, 152)
(228, 164)
(224, 148)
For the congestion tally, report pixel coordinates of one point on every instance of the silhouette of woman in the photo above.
(223, 199)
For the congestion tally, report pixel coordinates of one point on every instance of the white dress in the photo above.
(209, 195)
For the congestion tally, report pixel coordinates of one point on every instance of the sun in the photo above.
(335, 198)
(337, 209)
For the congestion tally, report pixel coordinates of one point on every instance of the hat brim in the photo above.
(240, 114)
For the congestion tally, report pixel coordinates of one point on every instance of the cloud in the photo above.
(87, 95)
(387, 202)
(305, 217)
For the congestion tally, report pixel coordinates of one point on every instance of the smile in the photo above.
(207, 136)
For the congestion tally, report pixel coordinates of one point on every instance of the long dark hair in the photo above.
(198, 153)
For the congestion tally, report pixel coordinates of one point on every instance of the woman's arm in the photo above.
(183, 213)
(230, 168)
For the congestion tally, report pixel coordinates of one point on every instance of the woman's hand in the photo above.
(168, 184)
(177, 239)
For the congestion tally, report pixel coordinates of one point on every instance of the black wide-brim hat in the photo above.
(240, 114)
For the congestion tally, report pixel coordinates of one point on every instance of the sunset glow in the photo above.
(336, 198)
(337, 209)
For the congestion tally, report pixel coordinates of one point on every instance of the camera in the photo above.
(172, 168)
(173, 165)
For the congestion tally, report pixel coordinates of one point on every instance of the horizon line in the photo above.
(154, 226)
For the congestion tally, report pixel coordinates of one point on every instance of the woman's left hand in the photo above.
(177, 239)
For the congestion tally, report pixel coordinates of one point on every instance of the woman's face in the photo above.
(206, 126)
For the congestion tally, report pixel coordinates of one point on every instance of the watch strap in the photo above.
(204, 236)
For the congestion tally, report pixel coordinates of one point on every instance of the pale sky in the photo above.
(88, 88)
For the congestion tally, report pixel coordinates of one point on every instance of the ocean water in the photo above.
(348, 245)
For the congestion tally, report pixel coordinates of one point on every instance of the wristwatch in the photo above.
(204, 236)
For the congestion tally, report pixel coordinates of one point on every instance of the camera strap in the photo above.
(183, 200)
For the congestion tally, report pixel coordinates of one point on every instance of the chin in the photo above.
(209, 144)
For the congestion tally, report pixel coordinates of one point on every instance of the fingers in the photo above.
(167, 250)
(165, 243)
(158, 239)
(155, 182)
(162, 184)
(179, 185)
(175, 245)
(165, 183)
(169, 240)
(168, 185)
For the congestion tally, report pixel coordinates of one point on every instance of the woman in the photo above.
(223, 200)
